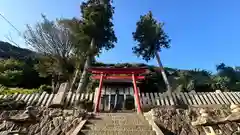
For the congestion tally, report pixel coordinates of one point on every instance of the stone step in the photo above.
(117, 114)
(118, 122)
(127, 115)
(117, 132)
(120, 117)
(115, 127)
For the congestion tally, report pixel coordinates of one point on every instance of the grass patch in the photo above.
(11, 91)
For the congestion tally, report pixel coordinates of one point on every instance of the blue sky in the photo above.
(203, 32)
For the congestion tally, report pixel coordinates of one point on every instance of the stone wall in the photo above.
(45, 121)
(197, 120)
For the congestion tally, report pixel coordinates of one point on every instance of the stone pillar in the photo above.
(58, 99)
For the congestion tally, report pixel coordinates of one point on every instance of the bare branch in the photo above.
(49, 38)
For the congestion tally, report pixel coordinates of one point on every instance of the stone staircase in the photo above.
(117, 124)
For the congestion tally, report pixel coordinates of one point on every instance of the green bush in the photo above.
(11, 91)
(45, 88)
(2, 87)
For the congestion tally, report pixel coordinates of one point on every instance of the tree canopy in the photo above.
(97, 23)
(150, 37)
(95, 30)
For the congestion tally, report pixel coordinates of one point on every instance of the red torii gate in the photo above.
(131, 74)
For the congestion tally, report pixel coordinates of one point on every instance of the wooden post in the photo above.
(139, 110)
(96, 108)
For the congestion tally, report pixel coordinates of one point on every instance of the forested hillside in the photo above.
(17, 67)
(9, 51)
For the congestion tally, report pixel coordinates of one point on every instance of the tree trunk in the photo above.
(57, 83)
(74, 79)
(163, 73)
(84, 76)
(53, 84)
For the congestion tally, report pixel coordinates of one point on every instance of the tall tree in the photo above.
(96, 27)
(151, 39)
(52, 41)
(80, 44)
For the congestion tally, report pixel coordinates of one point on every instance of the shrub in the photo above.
(45, 88)
(2, 87)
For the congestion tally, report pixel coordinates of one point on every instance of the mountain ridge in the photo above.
(8, 50)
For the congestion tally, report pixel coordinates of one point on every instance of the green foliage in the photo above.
(10, 91)
(16, 67)
(45, 88)
(150, 37)
(97, 23)
(227, 78)
(11, 72)
(221, 83)
(15, 73)
(2, 87)
(92, 84)
(92, 33)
